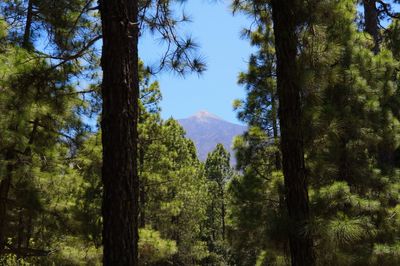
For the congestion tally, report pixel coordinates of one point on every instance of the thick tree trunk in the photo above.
(371, 23)
(26, 42)
(120, 91)
(285, 19)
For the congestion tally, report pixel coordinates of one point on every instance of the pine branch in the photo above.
(386, 9)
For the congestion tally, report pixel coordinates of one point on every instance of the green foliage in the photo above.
(88, 199)
(172, 174)
(351, 134)
(218, 172)
(3, 29)
(217, 165)
(153, 249)
(255, 196)
(173, 190)
(194, 213)
(41, 130)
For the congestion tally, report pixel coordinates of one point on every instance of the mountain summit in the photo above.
(206, 130)
(204, 116)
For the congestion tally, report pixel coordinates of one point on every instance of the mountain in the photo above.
(206, 130)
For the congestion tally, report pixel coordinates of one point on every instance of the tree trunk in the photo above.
(212, 218)
(5, 186)
(120, 92)
(4, 189)
(26, 42)
(278, 163)
(142, 195)
(20, 233)
(223, 211)
(29, 229)
(371, 23)
(286, 22)
(343, 161)
(142, 207)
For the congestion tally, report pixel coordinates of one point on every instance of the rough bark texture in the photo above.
(120, 91)
(285, 19)
(372, 22)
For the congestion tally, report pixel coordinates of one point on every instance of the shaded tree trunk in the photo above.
(20, 232)
(371, 23)
(26, 42)
(29, 229)
(278, 163)
(343, 170)
(286, 21)
(5, 186)
(142, 196)
(120, 92)
(4, 189)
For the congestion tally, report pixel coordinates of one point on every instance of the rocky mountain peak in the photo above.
(206, 130)
(204, 115)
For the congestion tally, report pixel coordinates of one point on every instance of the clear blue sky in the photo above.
(226, 54)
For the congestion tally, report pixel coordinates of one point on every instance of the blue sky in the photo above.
(217, 32)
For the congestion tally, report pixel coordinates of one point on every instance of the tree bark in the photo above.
(371, 23)
(26, 42)
(120, 92)
(286, 22)
(278, 163)
(5, 186)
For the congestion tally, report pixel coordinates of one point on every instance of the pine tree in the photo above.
(218, 172)
(349, 115)
(120, 93)
(121, 23)
(41, 128)
(287, 17)
(256, 209)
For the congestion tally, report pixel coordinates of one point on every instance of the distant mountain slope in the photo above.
(207, 130)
